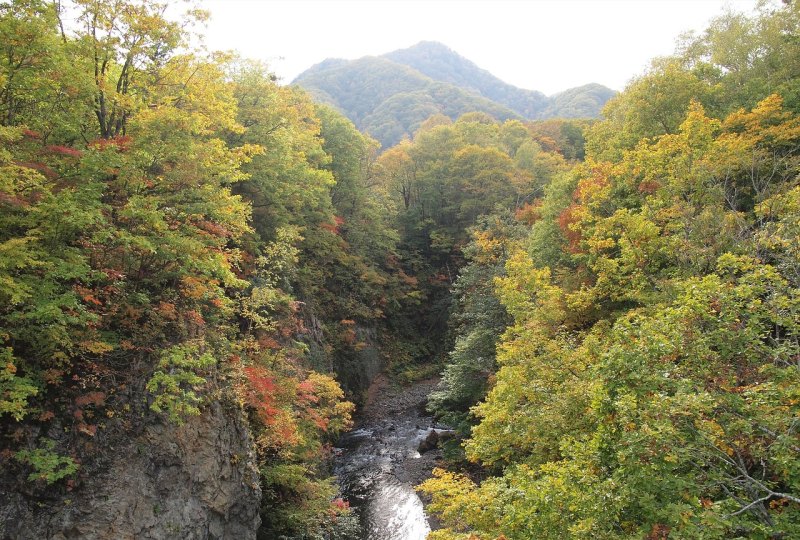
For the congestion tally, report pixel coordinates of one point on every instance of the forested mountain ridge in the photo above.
(389, 100)
(391, 95)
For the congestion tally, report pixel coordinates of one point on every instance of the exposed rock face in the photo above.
(356, 368)
(356, 371)
(192, 481)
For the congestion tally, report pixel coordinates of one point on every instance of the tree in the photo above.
(127, 43)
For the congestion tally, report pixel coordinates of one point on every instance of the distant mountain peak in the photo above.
(390, 95)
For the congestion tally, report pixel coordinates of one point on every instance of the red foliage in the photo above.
(260, 394)
(29, 133)
(11, 200)
(565, 219)
(64, 150)
(306, 390)
(307, 397)
(333, 227)
(438, 279)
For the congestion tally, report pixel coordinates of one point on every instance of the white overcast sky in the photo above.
(545, 45)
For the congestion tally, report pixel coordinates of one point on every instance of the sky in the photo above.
(545, 45)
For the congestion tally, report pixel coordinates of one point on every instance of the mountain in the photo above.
(389, 96)
(389, 100)
(439, 62)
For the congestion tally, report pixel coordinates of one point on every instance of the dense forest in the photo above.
(193, 256)
(626, 364)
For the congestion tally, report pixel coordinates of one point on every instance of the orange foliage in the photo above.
(87, 429)
(529, 213)
(87, 295)
(548, 144)
(92, 398)
(167, 310)
(573, 235)
(193, 288)
(330, 227)
(648, 187)
(194, 317)
(214, 229)
(121, 143)
(658, 532)
(268, 342)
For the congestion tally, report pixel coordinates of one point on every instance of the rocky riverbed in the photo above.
(378, 463)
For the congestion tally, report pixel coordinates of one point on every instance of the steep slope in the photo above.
(389, 96)
(150, 480)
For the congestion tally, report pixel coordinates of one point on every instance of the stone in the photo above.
(429, 442)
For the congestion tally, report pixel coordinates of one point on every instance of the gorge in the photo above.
(228, 312)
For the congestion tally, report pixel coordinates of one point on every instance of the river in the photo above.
(378, 464)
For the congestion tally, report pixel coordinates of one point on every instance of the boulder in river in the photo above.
(429, 442)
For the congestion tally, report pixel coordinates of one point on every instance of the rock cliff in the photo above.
(192, 481)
